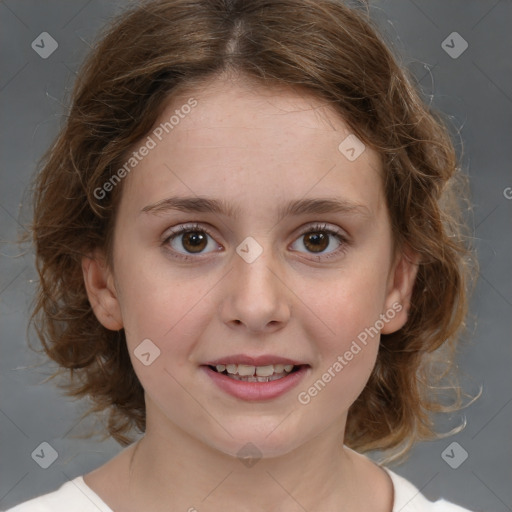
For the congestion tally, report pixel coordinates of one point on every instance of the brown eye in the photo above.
(189, 240)
(194, 241)
(316, 242)
(322, 242)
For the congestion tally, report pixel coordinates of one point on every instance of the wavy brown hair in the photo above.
(160, 48)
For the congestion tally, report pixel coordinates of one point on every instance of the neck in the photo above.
(171, 469)
(192, 476)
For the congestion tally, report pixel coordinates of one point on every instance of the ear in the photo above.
(101, 291)
(400, 284)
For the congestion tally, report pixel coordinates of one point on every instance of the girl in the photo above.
(249, 254)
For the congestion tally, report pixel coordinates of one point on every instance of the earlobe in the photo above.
(400, 286)
(101, 291)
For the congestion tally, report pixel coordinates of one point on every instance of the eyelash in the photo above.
(187, 228)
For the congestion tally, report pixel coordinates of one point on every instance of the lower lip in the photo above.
(256, 391)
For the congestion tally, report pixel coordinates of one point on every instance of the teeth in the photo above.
(253, 378)
(245, 370)
(232, 368)
(265, 371)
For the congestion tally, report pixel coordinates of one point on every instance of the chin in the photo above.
(257, 441)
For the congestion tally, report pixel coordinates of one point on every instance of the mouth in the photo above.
(256, 378)
(249, 373)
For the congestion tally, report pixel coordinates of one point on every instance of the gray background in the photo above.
(473, 90)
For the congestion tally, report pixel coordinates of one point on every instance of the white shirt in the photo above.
(77, 496)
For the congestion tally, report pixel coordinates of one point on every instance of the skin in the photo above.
(255, 148)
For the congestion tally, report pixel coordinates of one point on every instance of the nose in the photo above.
(256, 296)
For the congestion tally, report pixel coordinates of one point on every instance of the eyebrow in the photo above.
(296, 207)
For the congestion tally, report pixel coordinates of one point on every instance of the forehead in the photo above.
(239, 109)
(248, 142)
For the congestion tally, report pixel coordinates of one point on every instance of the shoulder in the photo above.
(409, 499)
(75, 493)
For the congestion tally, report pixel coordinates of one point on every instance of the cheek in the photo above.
(350, 306)
(156, 301)
(347, 359)
(347, 334)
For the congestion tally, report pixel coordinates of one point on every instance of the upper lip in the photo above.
(253, 360)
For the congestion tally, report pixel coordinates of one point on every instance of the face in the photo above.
(246, 241)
